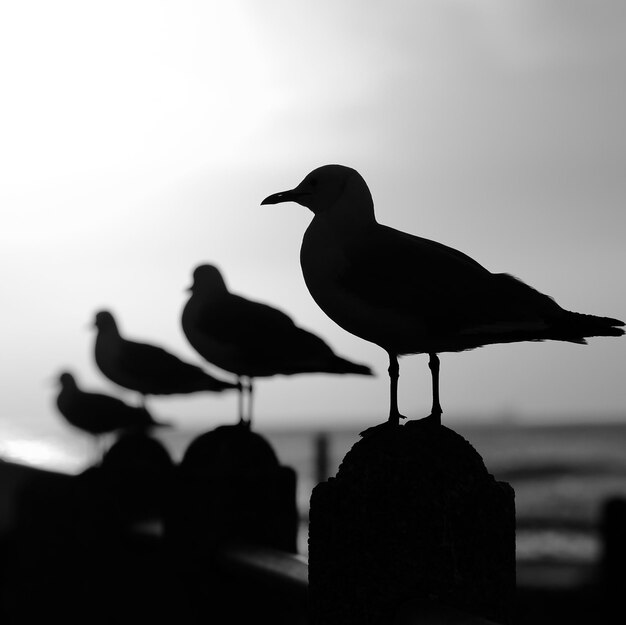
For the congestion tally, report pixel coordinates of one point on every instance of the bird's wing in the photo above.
(431, 281)
(242, 321)
(397, 271)
(101, 403)
(153, 362)
(309, 346)
(102, 412)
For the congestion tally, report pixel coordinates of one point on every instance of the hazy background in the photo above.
(138, 138)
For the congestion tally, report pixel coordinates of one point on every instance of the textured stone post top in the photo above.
(412, 447)
(412, 514)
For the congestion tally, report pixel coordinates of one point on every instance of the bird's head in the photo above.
(67, 380)
(208, 278)
(322, 188)
(104, 320)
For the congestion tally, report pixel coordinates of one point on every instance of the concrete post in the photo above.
(412, 515)
(230, 487)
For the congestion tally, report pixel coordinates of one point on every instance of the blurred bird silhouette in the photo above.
(147, 369)
(411, 295)
(251, 339)
(97, 413)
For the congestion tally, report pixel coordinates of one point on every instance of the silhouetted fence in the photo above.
(322, 460)
(69, 543)
(284, 576)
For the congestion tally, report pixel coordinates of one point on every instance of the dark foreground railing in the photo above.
(284, 571)
(286, 576)
(59, 532)
(275, 583)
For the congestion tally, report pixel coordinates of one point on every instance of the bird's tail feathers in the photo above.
(346, 366)
(582, 325)
(218, 386)
(147, 420)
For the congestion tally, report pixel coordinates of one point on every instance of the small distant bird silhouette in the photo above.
(97, 413)
(147, 369)
(410, 295)
(251, 339)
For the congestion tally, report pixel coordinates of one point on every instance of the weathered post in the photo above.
(230, 487)
(613, 559)
(321, 457)
(412, 516)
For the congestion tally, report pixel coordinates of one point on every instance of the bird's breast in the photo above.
(108, 353)
(201, 326)
(326, 259)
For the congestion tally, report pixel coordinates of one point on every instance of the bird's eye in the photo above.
(313, 182)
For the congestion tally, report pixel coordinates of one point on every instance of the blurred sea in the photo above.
(562, 474)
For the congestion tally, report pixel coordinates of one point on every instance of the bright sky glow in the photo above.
(44, 454)
(138, 139)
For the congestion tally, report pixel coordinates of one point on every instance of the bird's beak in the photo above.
(294, 195)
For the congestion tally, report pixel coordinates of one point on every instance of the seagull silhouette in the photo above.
(97, 413)
(251, 339)
(147, 369)
(410, 295)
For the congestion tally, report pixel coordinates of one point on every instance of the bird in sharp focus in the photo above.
(97, 413)
(252, 339)
(410, 295)
(147, 369)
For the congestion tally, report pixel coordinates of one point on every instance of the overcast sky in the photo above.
(138, 139)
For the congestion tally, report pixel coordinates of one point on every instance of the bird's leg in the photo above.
(240, 399)
(433, 365)
(394, 374)
(100, 449)
(250, 398)
(394, 413)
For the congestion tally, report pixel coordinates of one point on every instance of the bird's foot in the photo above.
(433, 419)
(394, 418)
(389, 425)
(378, 429)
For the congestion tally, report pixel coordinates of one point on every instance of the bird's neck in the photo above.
(107, 336)
(353, 212)
(201, 299)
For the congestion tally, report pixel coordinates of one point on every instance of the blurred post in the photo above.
(229, 489)
(321, 457)
(613, 531)
(412, 517)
